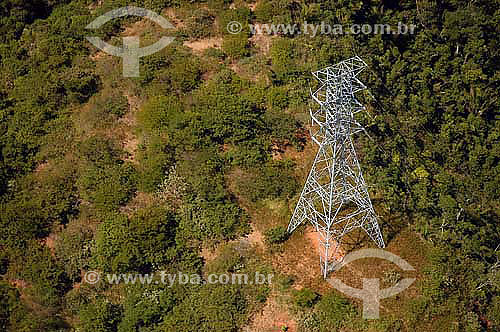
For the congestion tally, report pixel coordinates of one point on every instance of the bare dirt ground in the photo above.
(140, 200)
(19, 283)
(198, 46)
(130, 141)
(262, 42)
(50, 242)
(41, 167)
(208, 254)
(130, 145)
(251, 6)
(272, 318)
(256, 238)
(136, 28)
(336, 253)
(98, 55)
(299, 259)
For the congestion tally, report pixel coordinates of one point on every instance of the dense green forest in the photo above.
(99, 172)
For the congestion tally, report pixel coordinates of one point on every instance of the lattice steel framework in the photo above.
(335, 197)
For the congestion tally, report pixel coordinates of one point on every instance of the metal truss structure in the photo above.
(335, 197)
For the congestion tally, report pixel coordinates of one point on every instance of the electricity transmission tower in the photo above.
(335, 197)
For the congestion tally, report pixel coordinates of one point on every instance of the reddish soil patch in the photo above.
(50, 241)
(133, 102)
(272, 318)
(255, 237)
(41, 167)
(277, 151)
(208, 254)
(98, 55)
(19, 283)
(251, 6)
(335, 253)
(300, 260)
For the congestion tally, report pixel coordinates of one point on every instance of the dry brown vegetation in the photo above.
(198, 46)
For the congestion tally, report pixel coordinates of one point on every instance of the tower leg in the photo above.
(372, 229)
(329, 252)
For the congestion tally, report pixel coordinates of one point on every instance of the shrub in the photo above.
(305, 298)
(277, 99)
(223, 115)
(154, 160)
(282, 59)
(184, 74)
(161, 114)
(79, 84)
(143, 242)
(108, 187)
(264, 11)
(100, 315)
(494, 312)
(331, 313)
(48, 280)
(200, 24)
(215, 53)
(39, 201)
(209, 212)
(99, 149)
(211, 308)
(273, 180)
(276, 235)
(249, 154)
(73, 248)
(117, 105)
(241, 15)
(236, 46)
(284, 129)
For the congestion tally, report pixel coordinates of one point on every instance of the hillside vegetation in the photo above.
(209, 145)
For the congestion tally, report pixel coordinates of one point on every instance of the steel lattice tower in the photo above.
(335, 197)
